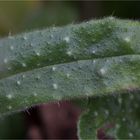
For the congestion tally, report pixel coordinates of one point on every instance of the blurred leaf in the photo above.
(19, 16)
(117, 117)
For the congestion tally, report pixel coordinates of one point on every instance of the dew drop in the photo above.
(127, 39)
(95, 113)
(24, 65)
(67, 39)
(24, 37)
(93, 52)
(11, 47)
(5, 60)
(130, 134)
(55, 86)
(9, 96)
(68, 75)
(18, 83)
(124, 119)
(31, 45)
(35, 94)
(37, 53)
(53, 68)
(102, 71)
(69, 53)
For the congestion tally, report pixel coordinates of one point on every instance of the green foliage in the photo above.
(92, 59)
(117, 116)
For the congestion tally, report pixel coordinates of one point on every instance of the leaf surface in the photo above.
(111, 117)
(94, 58)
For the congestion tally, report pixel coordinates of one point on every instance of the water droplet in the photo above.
(68, 75)
(18, 83)
(24, 37)
(95, 113)
(5, 60)
(127, 39)
(130, 134)
(23, 76)
(37, 53)
(9, 96)
(31, 45)
(53, 68)
(123, 119)
(11, 47)
(55, 86)
(67, 39)
(24, 65)
(93, 52)
(69, 53)
(102, 71)
(35, 94)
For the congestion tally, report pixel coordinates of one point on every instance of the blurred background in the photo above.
(56, 120)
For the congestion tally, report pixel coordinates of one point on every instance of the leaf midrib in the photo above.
(98, 58)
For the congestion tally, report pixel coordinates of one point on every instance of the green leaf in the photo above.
(68, 81)
(95, 58)
(116, 116)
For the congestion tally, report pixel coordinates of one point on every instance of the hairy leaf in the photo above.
(95, 58)
(68, 81)
(111, 117)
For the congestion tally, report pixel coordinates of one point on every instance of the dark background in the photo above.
(56, 120)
